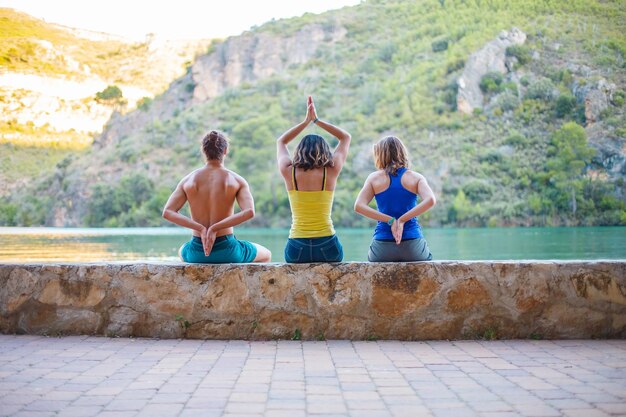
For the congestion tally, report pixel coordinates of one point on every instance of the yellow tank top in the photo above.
(310, 211)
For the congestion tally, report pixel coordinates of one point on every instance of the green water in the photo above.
(161, 244)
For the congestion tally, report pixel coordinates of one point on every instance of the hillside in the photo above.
(50, 80)
(510, 128)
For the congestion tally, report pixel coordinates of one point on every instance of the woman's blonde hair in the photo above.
(390, 154)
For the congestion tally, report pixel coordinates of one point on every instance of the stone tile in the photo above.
(191, 412)
(97, 376)
(126, 404)
(284, 413)
(170, 398)
(613, 408)
(586, 413)
(80, 411)
(117, 414)
(366, 405)
(326, 408)
(46, 405)
(245, 407)
(160, 410)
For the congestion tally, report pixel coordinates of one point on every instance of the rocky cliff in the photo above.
(490, 58)
(255, 56)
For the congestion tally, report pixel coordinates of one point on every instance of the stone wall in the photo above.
(434, 300)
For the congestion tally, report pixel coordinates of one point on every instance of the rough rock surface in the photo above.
(490, 58)
(596, 97)
(255, 56)
(435, 300)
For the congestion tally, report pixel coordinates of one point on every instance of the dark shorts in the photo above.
(318, 249)
(227, 249)
(407, 251)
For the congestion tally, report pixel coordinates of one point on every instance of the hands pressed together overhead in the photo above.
(311, 113)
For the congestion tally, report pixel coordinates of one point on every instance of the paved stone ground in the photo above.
(95, 376)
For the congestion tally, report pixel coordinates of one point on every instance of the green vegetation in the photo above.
(134, 201)
(111, 93)
(521, 52)
(491, 82)
(523, 159)
(34, 46)
(297, 335)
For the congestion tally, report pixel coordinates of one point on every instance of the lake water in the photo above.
(161, 244)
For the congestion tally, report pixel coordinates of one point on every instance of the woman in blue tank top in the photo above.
(398, 236)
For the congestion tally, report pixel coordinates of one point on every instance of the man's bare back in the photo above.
(211, 192)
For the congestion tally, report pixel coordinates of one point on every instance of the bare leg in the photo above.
(263, 254)
(180, 252)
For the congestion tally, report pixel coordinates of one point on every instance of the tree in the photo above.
(570, 155)
(111, 93)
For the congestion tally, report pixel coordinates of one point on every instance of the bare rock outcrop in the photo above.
(490, 58)
(596, 97)
(254, 56)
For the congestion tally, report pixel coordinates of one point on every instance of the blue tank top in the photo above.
(395, 201)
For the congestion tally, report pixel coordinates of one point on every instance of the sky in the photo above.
(169, 19)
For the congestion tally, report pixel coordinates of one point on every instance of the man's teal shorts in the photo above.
(227, 249)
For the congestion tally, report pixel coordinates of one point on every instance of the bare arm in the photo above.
(341, 151)
(246, 205)
(362, 207)
(282, 157)
(171, 210)
(428, 201)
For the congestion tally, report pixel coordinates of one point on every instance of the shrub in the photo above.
(516, 139)
(387, 52)
(144, 103)
(521, 52)
(618, 98)
(110, 93)
(565, 104)
(478, 190)
(542, 89)
(508, 101)
(491, 82)
(510, 86)
(455, 65)
(439, 45)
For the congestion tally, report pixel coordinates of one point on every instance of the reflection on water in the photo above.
(161, 244)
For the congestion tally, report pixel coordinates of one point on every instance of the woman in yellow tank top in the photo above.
(310, 179)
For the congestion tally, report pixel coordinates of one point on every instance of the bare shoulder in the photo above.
(190, 178)
(378, 176)
(241, 181)
(414, 175)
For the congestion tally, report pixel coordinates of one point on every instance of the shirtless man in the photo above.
(211, 192)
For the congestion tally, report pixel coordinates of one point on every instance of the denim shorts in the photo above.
(410, 250)
(318, 249)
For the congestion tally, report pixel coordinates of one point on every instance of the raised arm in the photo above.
(428, 201)
(246, 206)
(282, 157)
(363, 200)
(341, 151)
